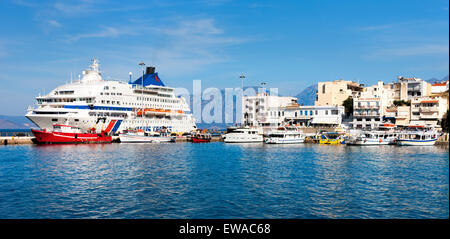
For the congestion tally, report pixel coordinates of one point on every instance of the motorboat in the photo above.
(285, 135)
(243, 135)
(140, 136)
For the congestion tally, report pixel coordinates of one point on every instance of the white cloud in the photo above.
(104, 32)
(54, 23)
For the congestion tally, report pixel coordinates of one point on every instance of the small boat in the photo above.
(285, 135)
(332, 138)
(243, 135)
(384, 135)
(201, 137)
(66, 134)
(373, 138)
(417, 136)
(139, 136)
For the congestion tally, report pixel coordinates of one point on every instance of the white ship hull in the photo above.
(371, 142)
(131, 138)
(284, 141)
(243, 139)
(87, 122)
(243, 135)
(410, 142)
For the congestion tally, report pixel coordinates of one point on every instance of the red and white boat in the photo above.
(69, 135)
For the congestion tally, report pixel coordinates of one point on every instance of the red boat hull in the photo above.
(197, 140)
(49, 137)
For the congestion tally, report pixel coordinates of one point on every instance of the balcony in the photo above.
(428, 109)
(429, 116)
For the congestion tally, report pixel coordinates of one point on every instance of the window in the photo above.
(323, 89)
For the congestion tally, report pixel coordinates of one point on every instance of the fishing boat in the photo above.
(332, 138)
(139, 136)
(373, 138)
(384, 135)
(285, 135)
(417, 136)
(201, 136)
(66, 134)
(243, 135)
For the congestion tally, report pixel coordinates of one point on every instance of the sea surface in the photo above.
(218, 180)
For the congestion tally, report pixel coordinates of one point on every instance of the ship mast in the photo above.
(142, 92)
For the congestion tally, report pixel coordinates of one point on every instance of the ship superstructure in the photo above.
(92, 102)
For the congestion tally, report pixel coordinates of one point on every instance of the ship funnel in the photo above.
(150, 70)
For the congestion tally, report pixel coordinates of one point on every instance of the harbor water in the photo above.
(219, 180)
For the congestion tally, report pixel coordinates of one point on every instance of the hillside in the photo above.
(14, 122)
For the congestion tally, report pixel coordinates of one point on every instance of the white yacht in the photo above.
(145, 103)
(243, 135)
(284, 135)
(139, 136)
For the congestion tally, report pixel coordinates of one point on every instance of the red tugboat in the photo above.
(66, 134)
(201, 137)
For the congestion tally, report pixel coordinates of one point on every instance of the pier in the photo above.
(312, 136)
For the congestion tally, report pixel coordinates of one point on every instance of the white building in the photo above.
(271, 111)
(439, 87)
(428, 110)
(370, 107)
(413, 87)
(255, 109)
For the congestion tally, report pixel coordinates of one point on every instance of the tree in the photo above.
(401, 103)
(444, 122)
(348, 104)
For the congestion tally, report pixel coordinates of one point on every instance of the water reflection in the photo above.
(218, 180)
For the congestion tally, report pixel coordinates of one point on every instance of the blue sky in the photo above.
(288, 44)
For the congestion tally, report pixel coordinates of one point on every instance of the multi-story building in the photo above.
(400, 115)
(334, 93)
(255, 109)
(409, 88)
(370, 107)
(428, 110)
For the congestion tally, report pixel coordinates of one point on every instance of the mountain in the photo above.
(307, 96)
(436, 80)
(15, 122)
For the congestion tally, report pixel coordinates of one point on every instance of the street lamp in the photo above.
(130, 73)
(242, 81)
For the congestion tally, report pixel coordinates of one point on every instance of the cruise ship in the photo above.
(94, 103)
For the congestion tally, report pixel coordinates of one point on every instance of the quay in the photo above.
(312, 136)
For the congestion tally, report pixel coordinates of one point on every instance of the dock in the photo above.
(311, 138)
(6, 140)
